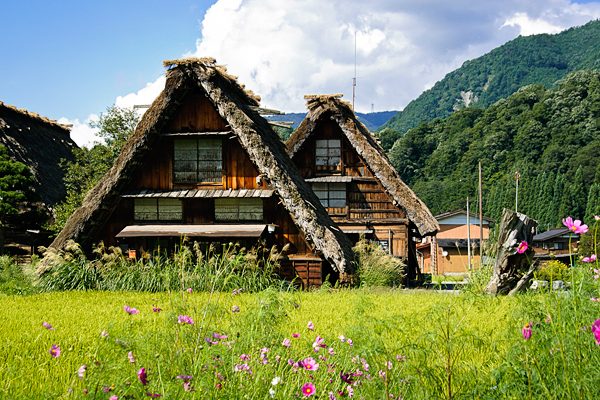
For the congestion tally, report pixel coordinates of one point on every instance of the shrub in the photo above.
(13, 280)
(375, 267)
(553, 270)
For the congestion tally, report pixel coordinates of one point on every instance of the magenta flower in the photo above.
(526, 331)
(310, 364)
(113, 397)
(190, 290)
(589, 259)
(596, 331)
(81, 371)
(47, 326)
(308, 389)
(575, 226)
(286, 342)
(185, 319)
(142, 376)
(310, 325)
(296, 335)
(244, 357)
(131, 310)
(55, 351)
(522, 247)
(350, 342)
(156, 309)
(153, 395)
(131, 357)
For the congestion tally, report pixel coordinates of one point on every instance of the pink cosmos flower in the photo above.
(296, 335)
(131, 310)
(310, 325)
(55, 351)
(331, 351)
(235, 309)
(245, 357)
(81, 371)
(47, 326)
(131, 357)
(142, 376)
(526, 331)
(308, 389)
(185, 319)
(522, 247)
(596, 273)
(350, 342)
(597, 217)
(113, 397)
(596, 331)
(190, 290)
(153, 395)
(589, 259)
(187, 386)
(575, 226)
(310, 364)
(286, 342)
(156, 309)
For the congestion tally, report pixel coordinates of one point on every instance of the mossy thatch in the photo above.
(235, 105)
(340, 111)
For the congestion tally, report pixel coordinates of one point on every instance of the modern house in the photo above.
(354, 180)
(203, 164)
(447, 251)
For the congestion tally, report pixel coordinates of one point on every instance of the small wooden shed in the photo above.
(203, 164)
(354, 180)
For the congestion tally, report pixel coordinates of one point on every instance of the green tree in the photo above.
(576, 196)
(593, 203)
(90, 164)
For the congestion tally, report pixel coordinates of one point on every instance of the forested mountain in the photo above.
(541, 59)
(551, 136)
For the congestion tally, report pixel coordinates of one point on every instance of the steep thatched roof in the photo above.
(39, 143)
(333, 107)
(265, 149)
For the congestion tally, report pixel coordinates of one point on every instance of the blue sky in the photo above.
(69, 60)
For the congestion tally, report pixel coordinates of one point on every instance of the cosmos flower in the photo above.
(275, 381)
(308, 389)
(104, 334)
(526, 331)
(522, 247)
(271, 392)
(131, 357)
(156, 309)
(142, 376)
(81, 371)
(47, 326)
(589, 259)
(235, 309)
(131, 310)
(55, 351)
(296, 335)
(185, 319)
(190, 290)
(286, 342)
(310, 364)
(310, 325)
(596, 331)
(575, 226)
(113, 397)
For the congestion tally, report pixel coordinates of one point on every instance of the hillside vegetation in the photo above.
(539, 59)
(551, 136)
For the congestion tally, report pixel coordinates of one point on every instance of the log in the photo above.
(511, 269)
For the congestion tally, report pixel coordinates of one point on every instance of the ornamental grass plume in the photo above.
(575, 226)
(526, 331)
(522, 247)
(308, 389)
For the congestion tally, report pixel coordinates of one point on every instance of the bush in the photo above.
(13, 279)
(553, 270)
(377, 268)
(221, 268)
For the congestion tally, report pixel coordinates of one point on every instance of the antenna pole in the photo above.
(480, 218)
(354, 79)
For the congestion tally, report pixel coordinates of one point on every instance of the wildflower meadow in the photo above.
(331, 343)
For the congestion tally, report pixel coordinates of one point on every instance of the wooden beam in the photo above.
(266, 111)
(282, 124)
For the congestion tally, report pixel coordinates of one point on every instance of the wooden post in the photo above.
(512, 270)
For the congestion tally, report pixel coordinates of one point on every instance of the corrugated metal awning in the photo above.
(202, 193)
(332, 178)
(238, 230)
(352, 229)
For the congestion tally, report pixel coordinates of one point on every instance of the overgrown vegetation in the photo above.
(375, 267)
(13, 279)
(549, 136)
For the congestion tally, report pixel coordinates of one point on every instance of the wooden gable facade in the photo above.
(347, 180)
(215, 171)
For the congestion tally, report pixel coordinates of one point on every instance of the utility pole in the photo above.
(468, 235)
(480, 218)
(517, 177)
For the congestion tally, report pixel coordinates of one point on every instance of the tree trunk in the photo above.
(511, 269)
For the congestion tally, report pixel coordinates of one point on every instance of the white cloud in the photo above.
(283, 49)
(528, 26)
(81, 132)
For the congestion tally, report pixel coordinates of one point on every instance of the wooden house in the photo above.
(41, 144)
(554, 243)
(446, 253)
(202, 163)
(354, 180)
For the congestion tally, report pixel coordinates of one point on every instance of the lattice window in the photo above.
(157, 210)
(331, 194)
(238, 209)
(198, 160)
(328, 154)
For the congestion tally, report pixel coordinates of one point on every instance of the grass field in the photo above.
(408, 339)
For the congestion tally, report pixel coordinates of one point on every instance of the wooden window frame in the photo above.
(329, 151)
(161, 207)
(239, 209)
(201, 170)
(326, 191)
